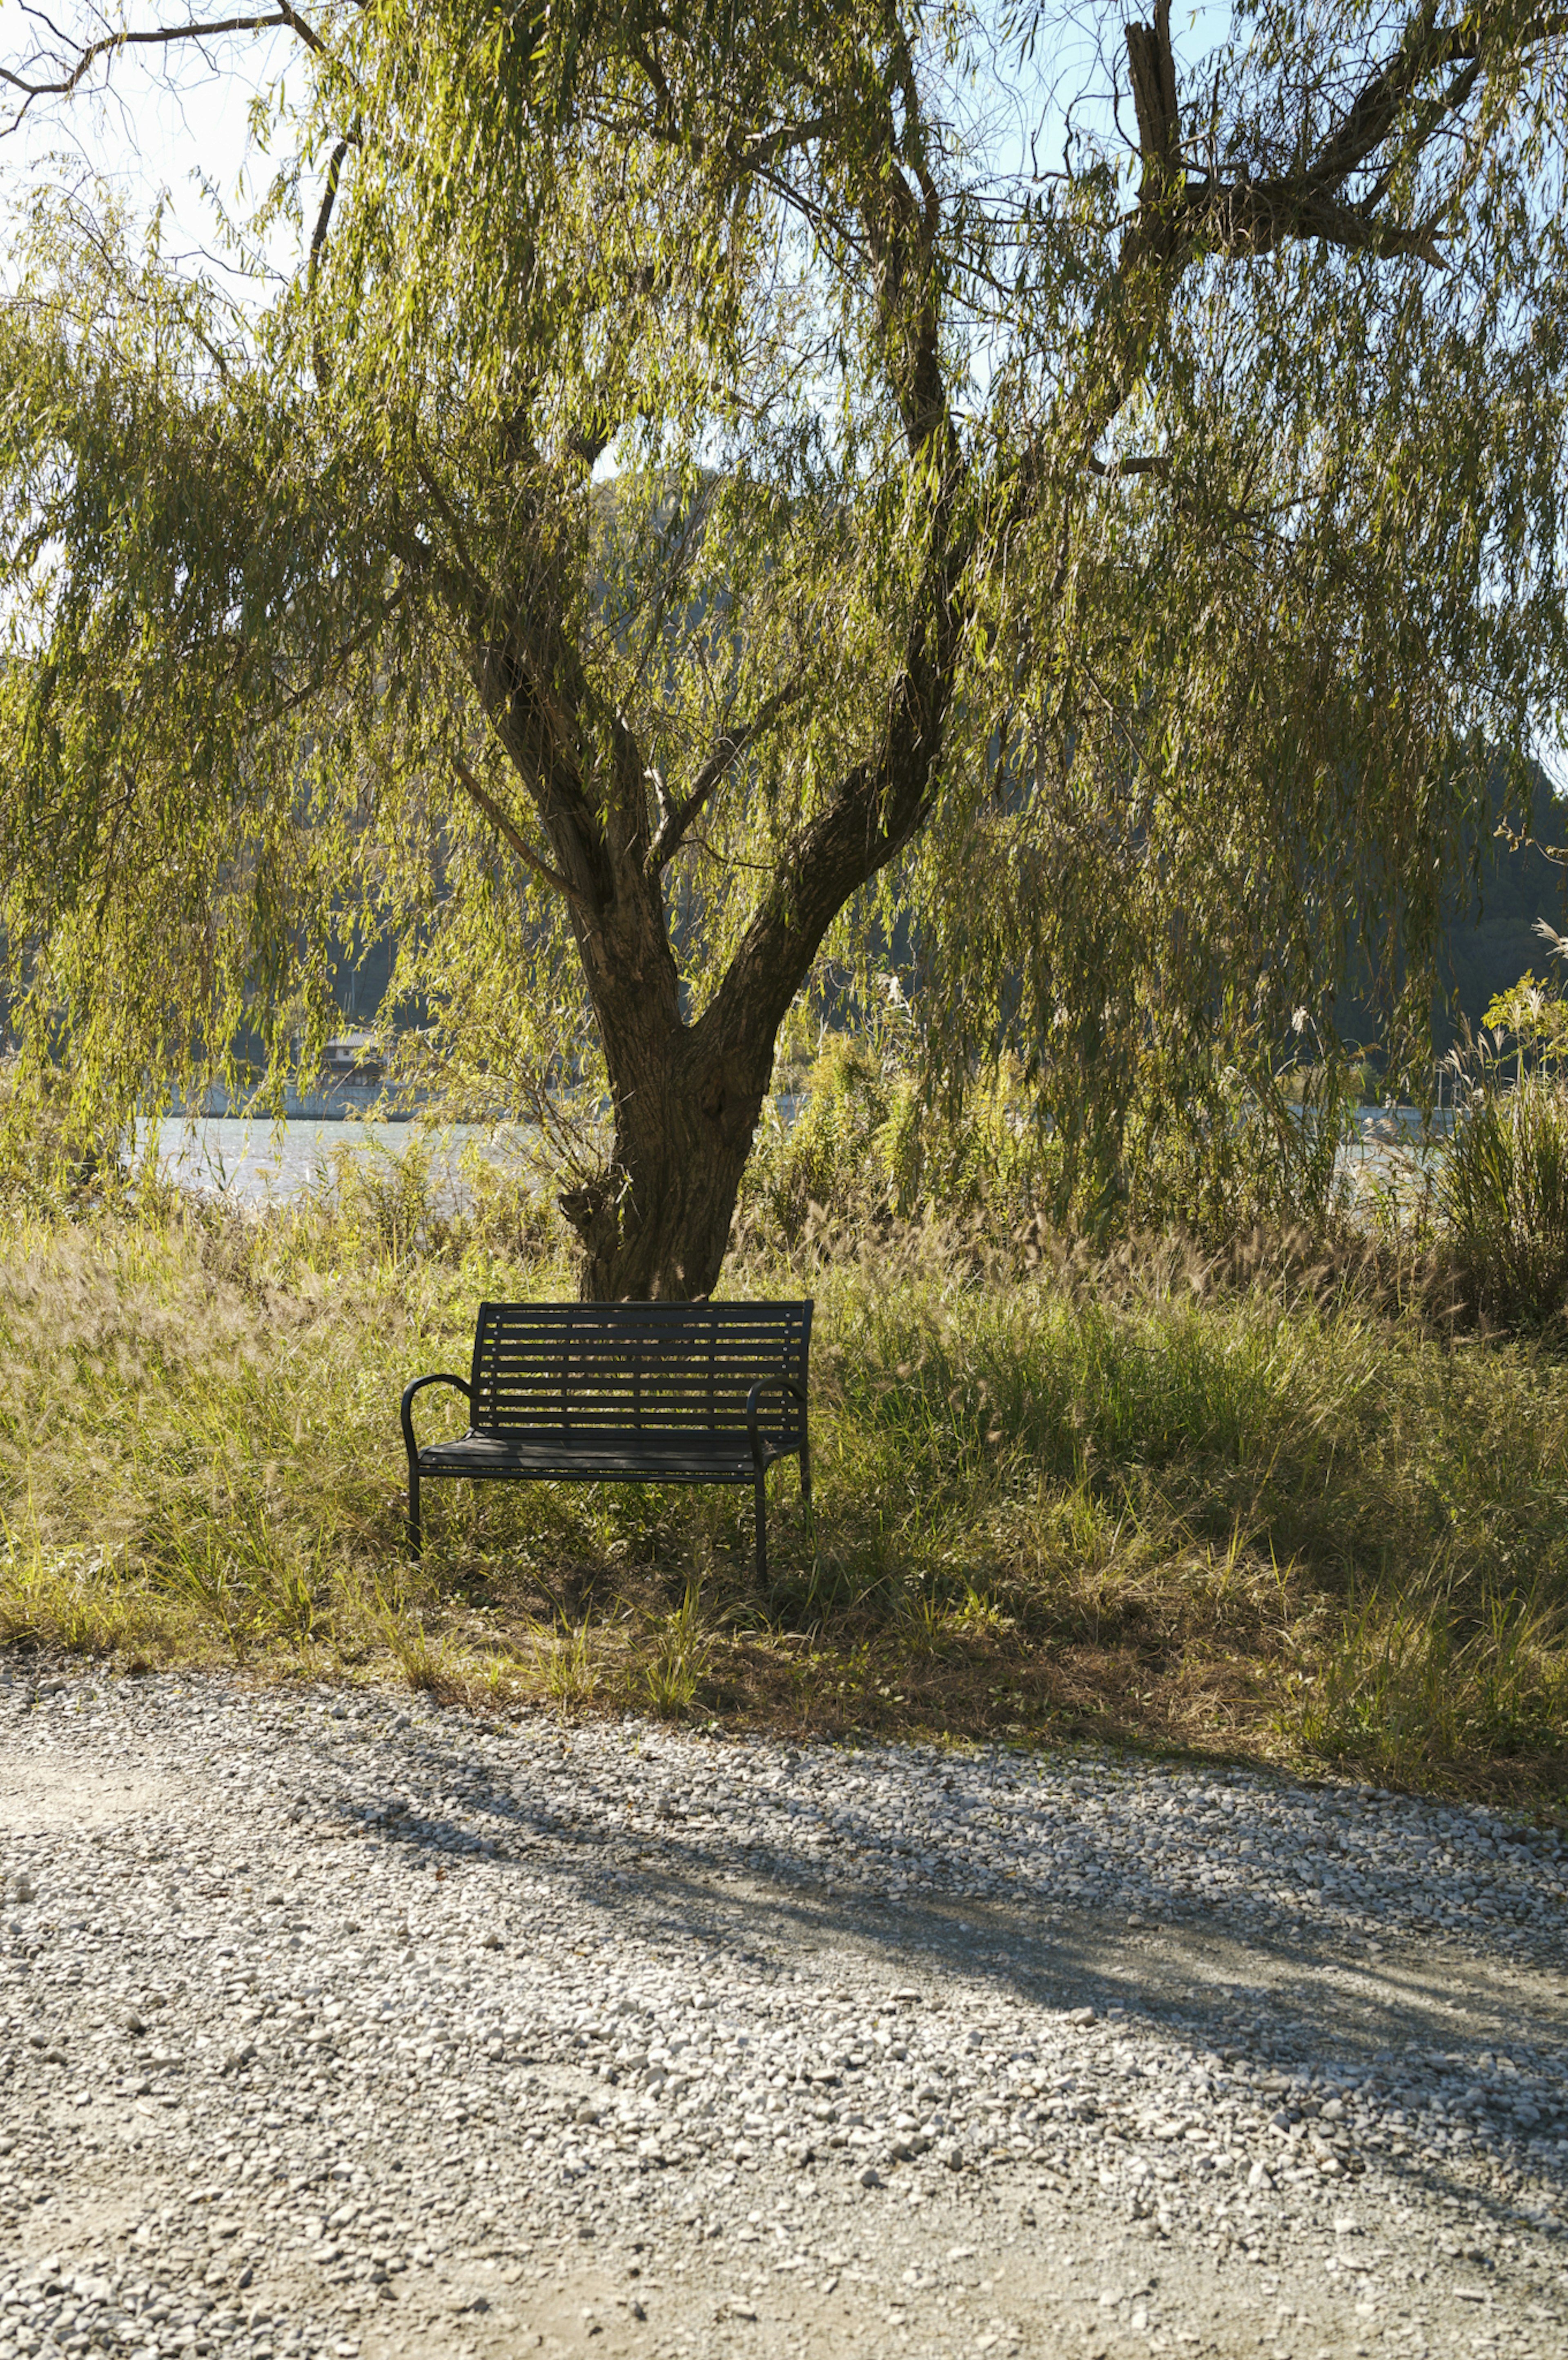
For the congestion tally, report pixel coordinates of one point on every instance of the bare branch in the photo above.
(284, 20)
(1155, 464)
(321, 359)
(307, 33)
(676, 819)
(329, 199)
(503, 827)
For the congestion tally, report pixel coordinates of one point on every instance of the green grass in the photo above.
(1269, 1518)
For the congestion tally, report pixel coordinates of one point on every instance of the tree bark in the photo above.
(688, 1097)
(656, 1225)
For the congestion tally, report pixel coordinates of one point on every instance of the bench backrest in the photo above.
(670, 1366)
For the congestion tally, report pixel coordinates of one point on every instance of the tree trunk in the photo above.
(656, 1225)
(688, 1097)
(687, 1101)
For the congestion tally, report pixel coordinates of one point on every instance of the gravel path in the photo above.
(338, 2025)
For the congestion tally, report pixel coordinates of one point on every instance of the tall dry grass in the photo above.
(1257, 1505)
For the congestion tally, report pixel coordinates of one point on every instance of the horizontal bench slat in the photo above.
(660, 1346)
(585, 1368)
(685, 1316)
(535, 1410)
(602, 1386)
(592, 1419)
(583, 1456)
(624, 1380)
(654, 1339)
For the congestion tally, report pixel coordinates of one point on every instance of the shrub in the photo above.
(1503, 1195)
(48, 1170)
(866, 1149)
(1503, 1189)
(422, 1202)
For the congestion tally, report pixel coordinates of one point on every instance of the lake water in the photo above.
(260, 1162)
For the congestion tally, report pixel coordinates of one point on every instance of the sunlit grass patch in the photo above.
(1270, 1514)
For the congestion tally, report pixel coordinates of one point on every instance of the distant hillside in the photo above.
(1490, 948)
(1490, 934)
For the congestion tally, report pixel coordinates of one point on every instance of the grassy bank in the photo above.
(1268, 1517)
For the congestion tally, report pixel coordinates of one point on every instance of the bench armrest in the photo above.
(774, 1384)
(418, 1387)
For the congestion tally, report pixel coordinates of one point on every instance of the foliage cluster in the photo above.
(1113, 535)
(863, 1146)
(868, 1141)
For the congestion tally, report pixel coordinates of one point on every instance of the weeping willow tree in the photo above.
(719, 480)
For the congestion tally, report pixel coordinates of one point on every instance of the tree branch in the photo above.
(285, 19)
(900, 236)
(329, 199)
(1252, 217)
(758, 154)
(670, 126)
(478, 588)
(1243, 219)
(881, 804)
(1152, 66)
(677, 818)
(1425, 49)
(534, 692)
(883, 801)
(321, 359)
(503, 827)
(1154, 465)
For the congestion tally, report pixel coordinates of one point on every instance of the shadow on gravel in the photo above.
(1293, 1996)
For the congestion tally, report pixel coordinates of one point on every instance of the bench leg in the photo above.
(761, 1529)
(414, 1539)
(806, 1473)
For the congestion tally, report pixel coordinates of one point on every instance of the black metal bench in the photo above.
(627, 1392)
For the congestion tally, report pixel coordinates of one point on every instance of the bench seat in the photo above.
(586, 1455)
